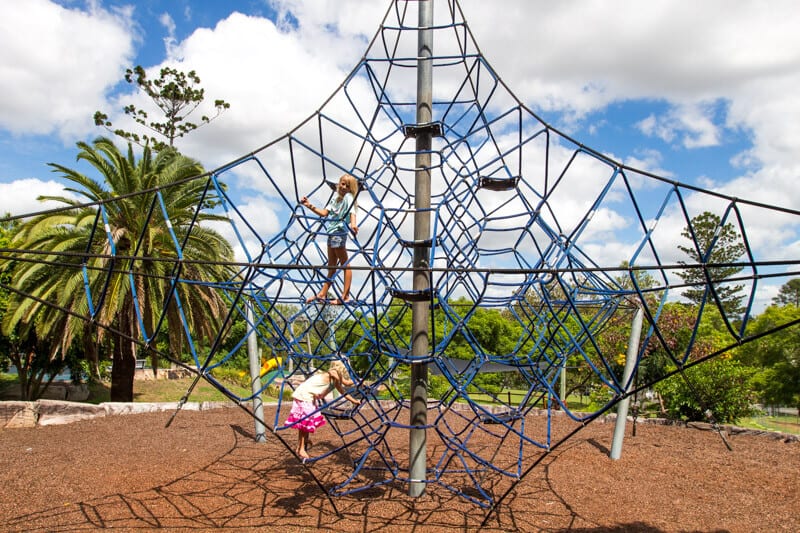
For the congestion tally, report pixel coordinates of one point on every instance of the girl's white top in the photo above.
(319, 384)
(339, 213)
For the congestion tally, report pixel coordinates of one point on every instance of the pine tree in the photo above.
(712, 243)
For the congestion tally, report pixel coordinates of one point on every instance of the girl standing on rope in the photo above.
(305, 416)
(340, 209)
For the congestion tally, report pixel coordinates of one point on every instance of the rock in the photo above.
(19, 414)
(54, 412)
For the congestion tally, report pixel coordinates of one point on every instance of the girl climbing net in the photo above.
(338, 211)
(305, 416)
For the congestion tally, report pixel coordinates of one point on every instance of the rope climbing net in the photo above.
(557, 239)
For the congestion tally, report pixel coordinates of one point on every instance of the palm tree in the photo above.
(43, 333)
(109, 259)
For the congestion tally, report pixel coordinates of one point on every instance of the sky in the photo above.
(700, 92)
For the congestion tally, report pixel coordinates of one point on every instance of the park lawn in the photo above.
(516, 395)
(7, 381)
(172, 390)
(161, 390)
(783, 423)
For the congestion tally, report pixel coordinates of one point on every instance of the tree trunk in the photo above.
(90, 352)
(122, 370)
(124, 358)
(174, 330)
(22, 374)
(662, 408)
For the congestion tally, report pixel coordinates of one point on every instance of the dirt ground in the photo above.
(205, 472)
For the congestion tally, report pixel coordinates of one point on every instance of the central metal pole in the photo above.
(417, 440)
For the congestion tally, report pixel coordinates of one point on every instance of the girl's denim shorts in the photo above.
(337, 240)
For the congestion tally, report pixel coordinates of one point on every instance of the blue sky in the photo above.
(698, 92)
(613, 103)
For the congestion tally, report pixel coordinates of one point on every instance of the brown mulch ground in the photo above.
(205, 472)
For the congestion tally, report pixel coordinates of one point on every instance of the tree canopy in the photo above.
(177, 94)
(81, 271)
(789, 293)
(712, 243)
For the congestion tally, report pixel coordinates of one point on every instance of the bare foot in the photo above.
(338, 301)
(303, 454)
(317, 298)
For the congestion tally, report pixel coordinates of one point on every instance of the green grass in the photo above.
(7, 381)
(164, 390)
(783, 423)
(172, 390)
(516, 395)
(161, 390)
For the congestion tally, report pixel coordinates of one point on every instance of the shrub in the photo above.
(599, 396)
(233, 376)
(718, 387)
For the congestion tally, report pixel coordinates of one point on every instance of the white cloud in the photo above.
(647, 160)
(653, 127)
(20, 197)
(694, 124)
(573, 57)
(263, 217)
(580, 56)
(631, 49)
(57, 64)
(169, 41)
(272, 79)
(340, 23)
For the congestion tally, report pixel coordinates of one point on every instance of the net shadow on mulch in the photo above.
(669, 479)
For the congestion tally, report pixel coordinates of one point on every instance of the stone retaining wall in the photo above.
(50, 412)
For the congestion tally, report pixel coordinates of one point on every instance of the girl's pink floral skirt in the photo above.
(302, 417)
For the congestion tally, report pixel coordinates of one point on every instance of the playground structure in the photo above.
(468, 202)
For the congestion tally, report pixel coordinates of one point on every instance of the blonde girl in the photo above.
(339, 211)
(305, 416)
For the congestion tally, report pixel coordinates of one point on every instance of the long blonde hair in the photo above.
(352, 184)
(339, 368)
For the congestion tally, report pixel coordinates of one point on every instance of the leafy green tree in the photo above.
(176, 94)
(664, 353)
(39, 362)
(120, 286)
(776, 357)
(612, 339)
(35, 368)
(712, 243)
(719, 387)
(789, 293)
(641, 279)
(273, 325)
(37, 356)
(548, 316)
(492, 332)
(7, 230)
